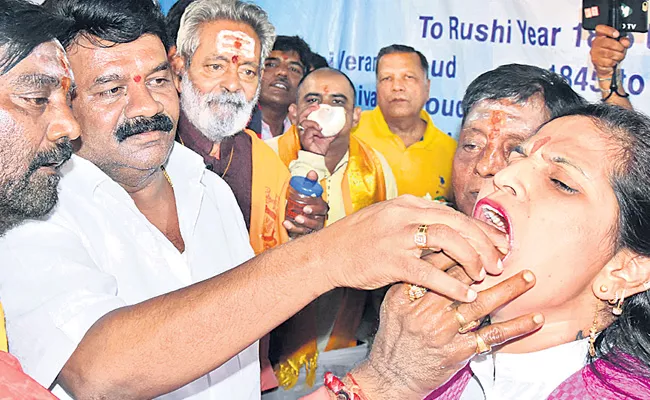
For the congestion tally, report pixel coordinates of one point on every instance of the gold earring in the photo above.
(592, 334)
(603, 288)
(618, 310)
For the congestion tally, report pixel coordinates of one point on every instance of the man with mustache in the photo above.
(36, 127)
(285, 66)
(419, 154)
(137, 218)
(173, 22)
(127, 289)
(221, 47)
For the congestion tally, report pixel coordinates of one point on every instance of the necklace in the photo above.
(166, 175)
(232, 151)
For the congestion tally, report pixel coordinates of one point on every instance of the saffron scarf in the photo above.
(363, 184)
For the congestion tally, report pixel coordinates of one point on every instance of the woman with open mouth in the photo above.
(575, 204)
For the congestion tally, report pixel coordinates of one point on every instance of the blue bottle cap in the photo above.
(306, 187)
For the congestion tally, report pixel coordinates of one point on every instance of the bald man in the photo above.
(353, 176)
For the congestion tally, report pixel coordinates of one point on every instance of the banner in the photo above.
(461, 40)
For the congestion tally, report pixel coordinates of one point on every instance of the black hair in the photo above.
(23, 27)
(336, 71)
(173, 19)
(519, 83)
(294, 43)
(116, 21)
(629, 334)
(317, 61)
(400, 48)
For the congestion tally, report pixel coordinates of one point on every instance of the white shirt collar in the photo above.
(183, 166)
(266, 129)
(526, 376)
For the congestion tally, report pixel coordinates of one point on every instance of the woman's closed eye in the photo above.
(563, 186)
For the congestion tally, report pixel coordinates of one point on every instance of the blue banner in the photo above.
(461, 39)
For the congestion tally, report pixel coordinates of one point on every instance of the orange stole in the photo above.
(270, 182)
(268, 197)
(363, 185)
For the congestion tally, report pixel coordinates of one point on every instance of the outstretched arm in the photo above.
(157, 346)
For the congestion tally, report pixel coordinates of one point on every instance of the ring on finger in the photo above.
(481, 346)
(416, 292)
(464, 325)
(420, 237)
(301, 128)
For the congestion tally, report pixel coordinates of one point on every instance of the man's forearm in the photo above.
(157, 346)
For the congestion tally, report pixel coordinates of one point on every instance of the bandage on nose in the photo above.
(331, 119)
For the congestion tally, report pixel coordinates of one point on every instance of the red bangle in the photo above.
(336, 386)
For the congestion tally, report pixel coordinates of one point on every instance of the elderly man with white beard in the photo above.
(221, 47)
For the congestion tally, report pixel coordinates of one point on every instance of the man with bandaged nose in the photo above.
(354, 176)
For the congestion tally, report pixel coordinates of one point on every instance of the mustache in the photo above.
(58, 155)
(136, 126)
(237, 100)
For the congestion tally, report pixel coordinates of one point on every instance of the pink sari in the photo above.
(608, 383)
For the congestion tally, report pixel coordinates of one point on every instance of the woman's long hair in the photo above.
(625, 344)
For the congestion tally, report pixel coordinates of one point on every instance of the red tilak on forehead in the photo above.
(65, 66)
(66, 83)
(235, 59)
(540, 143)
(137, 78)
(237, 44)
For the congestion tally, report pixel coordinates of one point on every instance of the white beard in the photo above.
(216, 115)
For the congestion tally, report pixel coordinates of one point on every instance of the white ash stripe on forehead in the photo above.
(235, 42)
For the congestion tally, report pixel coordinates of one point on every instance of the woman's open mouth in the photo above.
(494, 214)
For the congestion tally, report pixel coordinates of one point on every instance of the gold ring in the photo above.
(464, 325)
(481, 346)
(416, 292)
(421, 237)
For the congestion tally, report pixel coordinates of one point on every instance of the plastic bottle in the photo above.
(302, 192)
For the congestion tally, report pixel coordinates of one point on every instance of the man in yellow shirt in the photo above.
(419, 154)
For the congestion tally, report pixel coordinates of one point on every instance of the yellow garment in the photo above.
(3, 332)
(361, 178)
(342, 199)
(422, 168)
(268, 197)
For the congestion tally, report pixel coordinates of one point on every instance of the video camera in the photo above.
(624, 15)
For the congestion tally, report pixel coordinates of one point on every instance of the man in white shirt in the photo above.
(126, 229)
(97, 296)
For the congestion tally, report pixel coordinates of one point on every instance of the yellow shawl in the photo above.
(363, 185)
(3, 333)
(268, 197)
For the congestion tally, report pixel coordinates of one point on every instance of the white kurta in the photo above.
(97, 252)
(530, 376)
